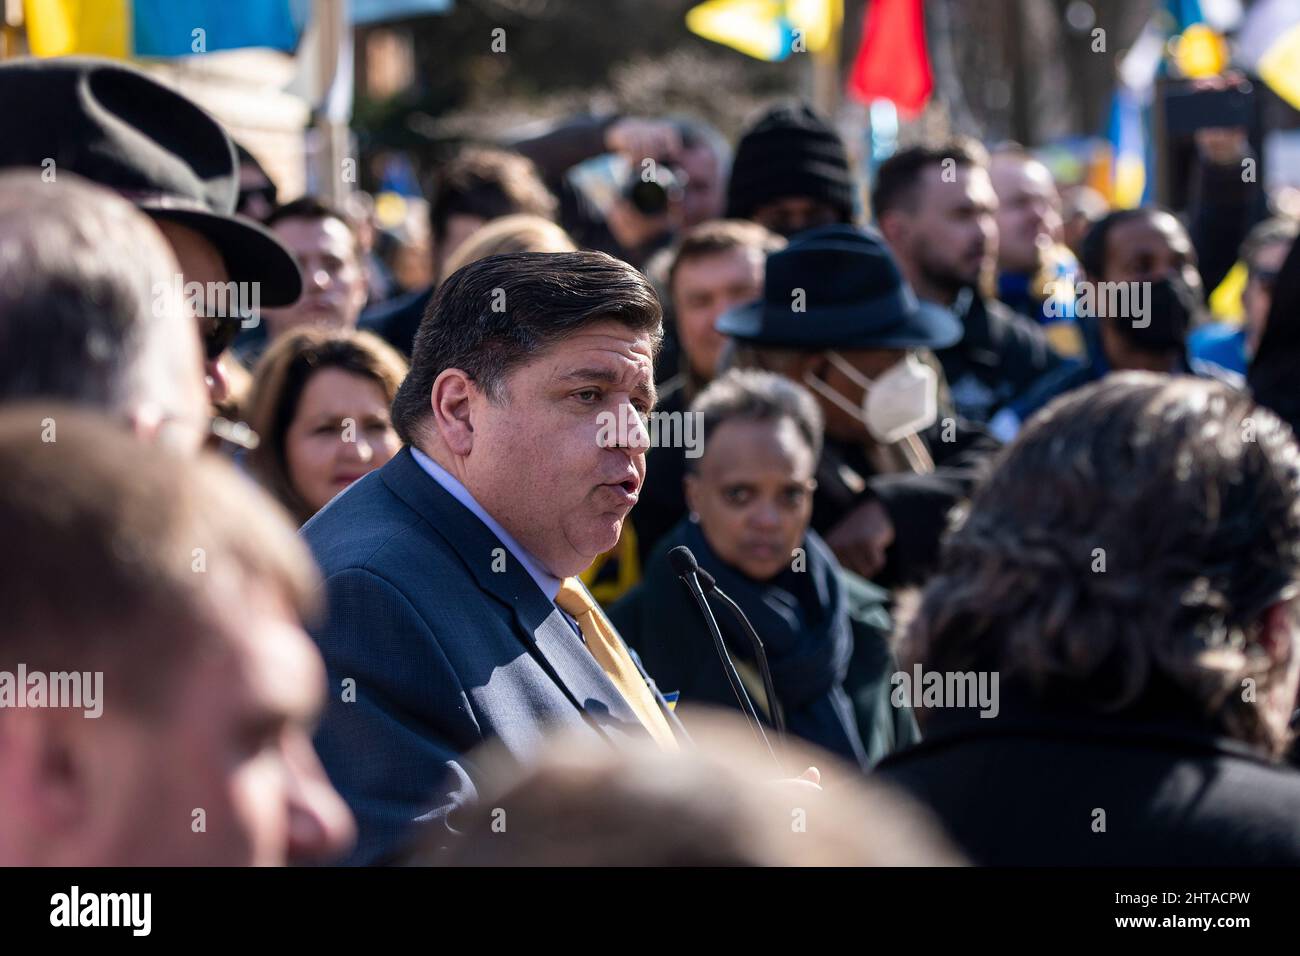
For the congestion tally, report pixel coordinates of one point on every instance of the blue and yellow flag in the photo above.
(765, 29)
(137, 28)
(1279, 67)
(1128, 149)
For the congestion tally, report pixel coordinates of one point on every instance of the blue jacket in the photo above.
(1076, 374)
(449, 642)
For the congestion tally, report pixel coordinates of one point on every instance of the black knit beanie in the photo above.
(789, 151)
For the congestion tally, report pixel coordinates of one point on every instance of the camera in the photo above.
(651, 194)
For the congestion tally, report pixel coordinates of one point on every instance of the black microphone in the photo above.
(689, 570)
(710, 586)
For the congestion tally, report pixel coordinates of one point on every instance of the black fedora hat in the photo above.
(838, 287)
(126, 131)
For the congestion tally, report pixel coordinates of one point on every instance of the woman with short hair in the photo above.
(825, 630)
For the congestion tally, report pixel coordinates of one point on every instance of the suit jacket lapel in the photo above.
(569, 659)
(542, 629)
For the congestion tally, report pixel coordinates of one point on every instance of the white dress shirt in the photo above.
(548, 582)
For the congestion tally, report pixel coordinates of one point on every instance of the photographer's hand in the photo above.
(638, 138)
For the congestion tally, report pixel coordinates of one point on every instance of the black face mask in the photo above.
(1172, 308)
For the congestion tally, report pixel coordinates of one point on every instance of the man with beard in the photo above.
(936, 208)
(1147, 255)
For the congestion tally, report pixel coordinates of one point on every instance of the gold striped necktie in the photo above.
(610, 653)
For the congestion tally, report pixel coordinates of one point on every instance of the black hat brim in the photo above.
(250, 251)
(927, 326)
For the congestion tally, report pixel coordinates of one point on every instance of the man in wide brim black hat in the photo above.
(118, 127)
(837, 316)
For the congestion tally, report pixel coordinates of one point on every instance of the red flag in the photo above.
(893, 63)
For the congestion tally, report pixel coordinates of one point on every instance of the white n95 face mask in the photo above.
(901, 402)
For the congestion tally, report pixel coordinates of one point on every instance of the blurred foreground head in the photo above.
(89, 312)
(719, 803)
(1136, 552)
(156, 686)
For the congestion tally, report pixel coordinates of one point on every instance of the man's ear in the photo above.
(690, 486)
(44, 771)
(452, 402)
(893, 226)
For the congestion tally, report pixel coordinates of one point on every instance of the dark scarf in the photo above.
(802, 618)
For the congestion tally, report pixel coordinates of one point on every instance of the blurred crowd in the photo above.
(929, 443)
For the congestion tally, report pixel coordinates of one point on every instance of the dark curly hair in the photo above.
(1124, 550)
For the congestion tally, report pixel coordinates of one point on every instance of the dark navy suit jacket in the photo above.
(447, 648)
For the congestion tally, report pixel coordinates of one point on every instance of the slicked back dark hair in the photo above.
(899, 177)
(493, 315)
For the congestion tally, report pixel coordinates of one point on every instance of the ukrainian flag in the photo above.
(1279, 67)
(765, 29)
(1129, 150)
(138, 28)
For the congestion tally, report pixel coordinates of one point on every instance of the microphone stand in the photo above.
(692, 582)
(760, 654)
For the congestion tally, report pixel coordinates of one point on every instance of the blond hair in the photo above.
(518, 233)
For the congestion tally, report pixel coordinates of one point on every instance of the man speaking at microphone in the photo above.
(455, 613)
